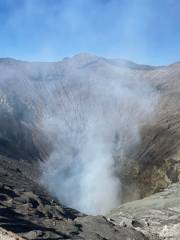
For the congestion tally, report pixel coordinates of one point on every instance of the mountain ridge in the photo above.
(83, 56)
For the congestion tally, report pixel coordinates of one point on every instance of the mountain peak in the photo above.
(9, 60)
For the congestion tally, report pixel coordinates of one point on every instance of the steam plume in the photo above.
(92, 118)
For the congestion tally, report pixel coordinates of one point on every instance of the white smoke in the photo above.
(93, 118)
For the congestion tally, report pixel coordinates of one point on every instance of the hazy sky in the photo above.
(145, 31)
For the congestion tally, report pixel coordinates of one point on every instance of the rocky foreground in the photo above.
(157, 216)
(7, 235)
(29, 211)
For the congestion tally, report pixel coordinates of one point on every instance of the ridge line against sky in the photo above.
(144, 31)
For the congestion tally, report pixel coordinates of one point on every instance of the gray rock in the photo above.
(157, 216)
(99, 227)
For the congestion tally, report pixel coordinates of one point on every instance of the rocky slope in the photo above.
(6, 235)
(154, 163)
(157, 216)
(29, 211)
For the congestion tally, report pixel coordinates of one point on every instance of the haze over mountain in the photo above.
(93, 132)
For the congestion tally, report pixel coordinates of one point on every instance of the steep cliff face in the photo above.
(31, 92)
(26, 96)
(156, 161)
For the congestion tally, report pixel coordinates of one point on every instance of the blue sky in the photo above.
(145, 31)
